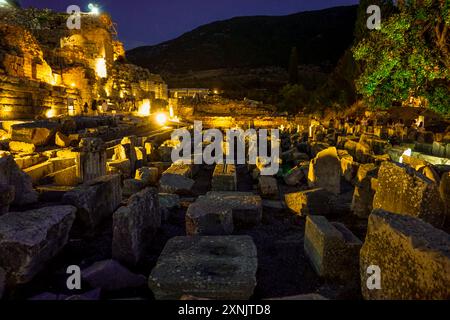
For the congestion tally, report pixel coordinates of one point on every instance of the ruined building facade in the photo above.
(48, 69)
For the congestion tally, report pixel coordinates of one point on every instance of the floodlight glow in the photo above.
(94, 8)
(161, 118)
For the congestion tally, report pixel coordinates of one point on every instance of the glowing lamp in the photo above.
(100, 68)
(94, 9)
(144, 109)
(161, 118)
(50, 113)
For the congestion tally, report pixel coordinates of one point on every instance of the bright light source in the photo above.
(144, 109)
(100, 68)
(161, 118)
(407, 153)
(94, 8)
(171, 112)
(50, 113)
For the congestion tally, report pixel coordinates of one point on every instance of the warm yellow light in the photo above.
(144, 109)
(121, 94)
(50, 113)
(171, 113)
(100, 68)
(72, 84)
(71, 110)
(407, 153)
(216, 91)
(161, 118)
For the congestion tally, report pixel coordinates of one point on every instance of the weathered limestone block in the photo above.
(177, 179)
(132, 186)
(110, 275)
(63, 141)
(39, 133)
(377, 146)
(29, 161)
(366, 183)
(413, 256)
(349, 168)
(96, 200)
(246, 207)
(268, 187)
(7, 194)
(224, 178)
(167, 203)
(403, 190)
(147, 175)
(221, 267)
(429, 172)
(10, 174)
(39, 171)
(296, 175)
(121, 167)
(22, 147)
(28, 240)
(332, 249)
(310, 202)
(64, 177)
(205, 217)
(325, 171)
(134, 226)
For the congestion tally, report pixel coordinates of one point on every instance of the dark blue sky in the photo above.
(148, 22)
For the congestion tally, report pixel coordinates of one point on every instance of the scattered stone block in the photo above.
(38, 133)
(147, 175)
(10, 174)
(39, 171)
(310, 202)
(134, 226)
(403, 190)
(296, 175)
(61, 140)
(28, 240)
(167, 203)
(246, 207)
(366, 184)
(132, 186)
(332, 249)
(96, 200)
(221, 267)
(22, 147)
(413, 256)
(64, 177)
(121, 167)
(177, 179)
(205, 217)
(268, 187)
(325, 171)
(109, 275)
(224, 178)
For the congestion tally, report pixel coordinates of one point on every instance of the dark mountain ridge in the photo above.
(250, 42)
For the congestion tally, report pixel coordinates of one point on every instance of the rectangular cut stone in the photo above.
(207, 217)
(134, 226)
(96, 200)
(310, 202)
(413, 257)
(246, 207)
(404, 191)
(332, 249)
(221, 267)
(224, 178)
(325, 171)
(268, 187)
(177, 179)
(39, 171)
(28, 240)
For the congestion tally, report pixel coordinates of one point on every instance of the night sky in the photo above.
(148, 22)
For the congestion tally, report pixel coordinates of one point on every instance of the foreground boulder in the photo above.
(28, 240)
(134, 226)
(7, 194)
(413, 256)
(325, 171)
(402, 190)
(95, 200)
(109, 275)
(222, 268)
(10, 174)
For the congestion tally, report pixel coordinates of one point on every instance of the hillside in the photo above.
(251, 42)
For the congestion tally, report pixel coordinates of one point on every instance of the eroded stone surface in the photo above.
(222, 267)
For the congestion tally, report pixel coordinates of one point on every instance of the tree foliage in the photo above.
(409, 57)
